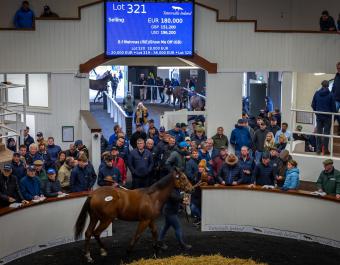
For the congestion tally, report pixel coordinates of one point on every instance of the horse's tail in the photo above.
(80, 224)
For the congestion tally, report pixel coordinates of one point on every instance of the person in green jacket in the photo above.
(220, 139)
(329, 179)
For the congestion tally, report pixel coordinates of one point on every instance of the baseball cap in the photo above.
(183, 144)
(178, 125)
(151, 120)
(187, 138)
(162, 129)
(183, 125)
(240, 121)
(39, 134)
(114, 148)
(7, 167)
(51, 171)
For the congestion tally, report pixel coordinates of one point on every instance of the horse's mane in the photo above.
(160, 184)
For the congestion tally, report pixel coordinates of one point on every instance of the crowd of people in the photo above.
(41, 169)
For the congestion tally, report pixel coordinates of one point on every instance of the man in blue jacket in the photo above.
(52, 149)
(240, 136)
(140, 164)
(177, 133)
(30, 185)
(336, 92)
(18, 167)
(324, 101)
(83, 176)
(109, 173)
(24, 17)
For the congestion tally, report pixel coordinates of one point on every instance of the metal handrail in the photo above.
(116, 104)
(330, 135)
(316, 112)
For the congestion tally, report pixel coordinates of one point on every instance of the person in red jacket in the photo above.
(119, 163)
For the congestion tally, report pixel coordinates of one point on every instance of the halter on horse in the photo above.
(143, 205)
(100, 85)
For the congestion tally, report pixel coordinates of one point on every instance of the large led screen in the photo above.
(149, 28)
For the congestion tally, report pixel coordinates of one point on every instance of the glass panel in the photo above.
(15, 94)
(38, 90)
(2, 78)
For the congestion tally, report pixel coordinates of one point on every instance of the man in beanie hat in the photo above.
(263, 172)
(178, 158)
(230, 173)
(329, 179)
(9, 189)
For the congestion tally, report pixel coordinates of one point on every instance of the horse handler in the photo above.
(170, 211)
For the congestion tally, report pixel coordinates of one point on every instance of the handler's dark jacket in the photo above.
(173, 203)
(105, 171)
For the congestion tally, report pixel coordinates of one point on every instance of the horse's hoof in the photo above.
(103, 252)
(89, 259)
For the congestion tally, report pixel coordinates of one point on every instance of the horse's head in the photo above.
(181, 181)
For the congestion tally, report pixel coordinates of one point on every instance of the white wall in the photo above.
(236, 47)
(55, 46)
(286, 14)
(69, 96)
(224, 97)
(307, 84)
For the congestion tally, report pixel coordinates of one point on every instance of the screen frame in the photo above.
(113, 56)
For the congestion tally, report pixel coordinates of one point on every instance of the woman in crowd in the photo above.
(292, 180)
(282, 143)
(61, 160)
(269, 142)
(141, 114)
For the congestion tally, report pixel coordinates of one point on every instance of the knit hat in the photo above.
(265, 155)
(78, 142)
(231, 160)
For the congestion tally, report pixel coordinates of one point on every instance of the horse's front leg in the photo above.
(140, 229)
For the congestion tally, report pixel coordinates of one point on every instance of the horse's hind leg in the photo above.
(88, 234)
(94, 101)
(101, 227)
(140, 229)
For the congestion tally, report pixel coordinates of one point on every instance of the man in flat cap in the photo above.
(329, 179)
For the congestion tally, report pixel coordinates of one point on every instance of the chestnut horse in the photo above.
(144, 205)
